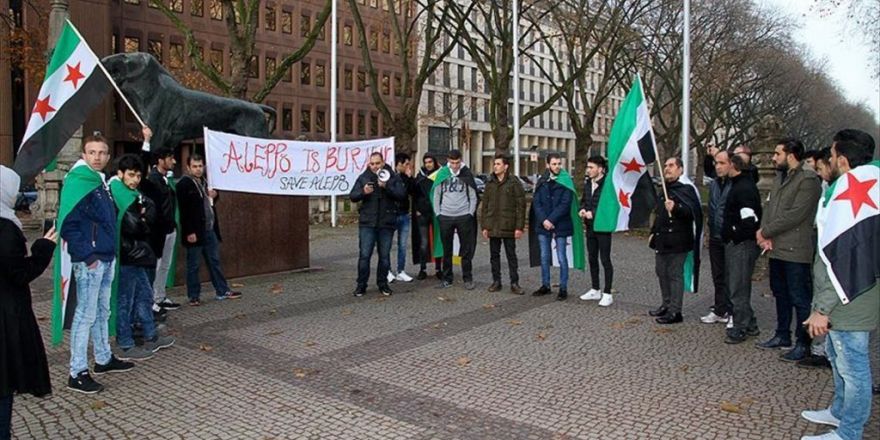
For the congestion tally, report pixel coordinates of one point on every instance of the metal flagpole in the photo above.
(516, 87)
(686, 88)
(334, 79)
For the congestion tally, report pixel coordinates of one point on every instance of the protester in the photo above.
(423, 214)
(454, 200)
(88, 224)
(503, 213)
(718, 193)
(810, 159)
(745, 152)
(709, 165)
(742, 216)
(134, 295)
(201, 232)
(23, 365)
(553, 218)
(378, 189)
(672, 237)
(403, 167)
(598, 243)
(786, 232)
(848, 309)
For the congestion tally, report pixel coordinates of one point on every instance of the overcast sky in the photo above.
(826, 38)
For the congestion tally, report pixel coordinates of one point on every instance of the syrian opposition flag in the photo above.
(74, 85)
(849, 231)
(627, 197)
(690, 198)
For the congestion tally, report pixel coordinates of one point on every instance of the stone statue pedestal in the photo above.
(49, 183)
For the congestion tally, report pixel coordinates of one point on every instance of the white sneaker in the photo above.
(729, 321)
(827, 436)
(607, 300)
(592, 295)
(402, 276)
(822, 417)
(391, 277)
(712, 318)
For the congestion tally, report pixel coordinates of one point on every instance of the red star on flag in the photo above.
(74, 75)
(623, 198)
(857, 193)
(632, 165)
(43, 108)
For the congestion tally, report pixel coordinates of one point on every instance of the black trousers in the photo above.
(5, 417)
(599, 248)
(495, 258)
(740, 265)
(465, 227)
(425, 252)
(723, 306)
(670, 273)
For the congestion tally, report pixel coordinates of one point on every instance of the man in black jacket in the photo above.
(378, 189)
(403, 166)
(598, 243)
(423, 215)
(672, 237)
(200, 232)
(718, 193)
(158, 186)
(742, 218)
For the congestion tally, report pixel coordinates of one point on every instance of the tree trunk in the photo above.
(405, 129)
(583, 141)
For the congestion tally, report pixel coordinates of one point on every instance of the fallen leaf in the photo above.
(236, 285)
(731, 407)
(442, 298)
(514, 322)
(273, 311)
(438, 325)
(311, 343)
(98, 404)
(633, 321)
(240, 316)
(276, 288)
(618, 325)
(663, 330)
(463, 361)
(381, 299)
(275, 332)
(542, 336)
(684, 368)
(301, 373)
(205, 347)
(488, 306)
(346, 312)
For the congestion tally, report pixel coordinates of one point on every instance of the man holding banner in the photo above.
(378, 189)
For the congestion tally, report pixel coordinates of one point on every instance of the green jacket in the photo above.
(860, 315)
(503, 209)
(790, 213)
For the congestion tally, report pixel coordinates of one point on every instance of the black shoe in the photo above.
(159, 314)
(813, 361)
(167, 304)
(670, 318)
(84, 383)
(422, 275)
(385, 290)
(444, 285)
(799, 352)
(496, 286)
(516, 290)
(754, 331)
(735, 336)
(114, 366)
(659, 311)
(543, 290)
(774, 343)
(359, 291)
(438, 275)
(562, 295)
(876, 389)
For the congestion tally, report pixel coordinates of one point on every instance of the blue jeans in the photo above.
(791, 285)
(369, 238)
(547, 260)
(134, 299)
(210, 250)
(848, 354)
(403, 222)
(91, 316)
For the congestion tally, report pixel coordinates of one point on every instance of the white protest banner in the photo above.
(285, 167)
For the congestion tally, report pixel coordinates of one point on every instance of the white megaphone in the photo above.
(384, 175)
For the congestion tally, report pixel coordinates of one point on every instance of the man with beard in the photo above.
(672, 237)
(455, 199)
(378, 189)
(503, 215)
(718, 192)
(423, 215)
(787, 233)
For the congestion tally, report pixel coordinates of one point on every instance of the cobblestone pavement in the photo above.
(300, 358)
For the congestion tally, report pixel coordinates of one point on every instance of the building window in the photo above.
(254, 67)
(305, 76)
(374, 3)
(374, 124)
(175, 55)
(154, 47)
(217, 59)
(216, 10)
(386, 42)
(131, 44)
(319, 75)
(286, 22)
(270, 66)
(431, 103)
(347, 79)
(321, 32)
(287, 119)
(305, 23)
(348, 125)
(175, 5)
(398, 85)
(361, 80)
(320, 124)
(114, 45)
(374, 40)
(305, 120)
(347, 35)
(152, 4)
(362, 124)
(270, 18)
(197, 8)
(133, 2)
(386, 84)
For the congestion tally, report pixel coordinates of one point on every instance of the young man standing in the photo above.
(598, 243)
(403, 167)
(503, 213)
(88, 225)
(718, 192)
(424, 218)
(200, 232)
(159, 187)
(454, 199)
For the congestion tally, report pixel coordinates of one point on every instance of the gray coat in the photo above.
(789, 215)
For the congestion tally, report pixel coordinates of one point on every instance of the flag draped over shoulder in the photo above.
(578, 260)
(628, 196)
(691, 198)
(74, 85)
(849, 231)
(123, 196)
(79, 182)
(438, 177)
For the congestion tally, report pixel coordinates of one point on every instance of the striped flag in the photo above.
(849, 231)
(627, 197)
(74, 85)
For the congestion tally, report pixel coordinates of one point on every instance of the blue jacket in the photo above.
(552, 201)
(90, 228)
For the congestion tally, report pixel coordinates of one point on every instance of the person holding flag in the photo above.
(554, 218)
(846, 282)
(454, 198)
(87, 221)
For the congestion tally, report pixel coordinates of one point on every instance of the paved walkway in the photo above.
(300, 358)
